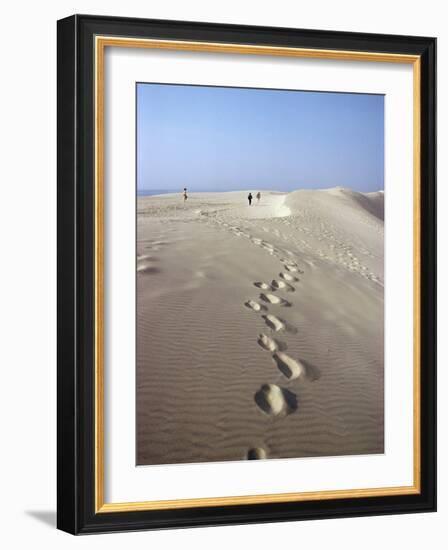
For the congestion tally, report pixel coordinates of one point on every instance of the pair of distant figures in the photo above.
(250, 197)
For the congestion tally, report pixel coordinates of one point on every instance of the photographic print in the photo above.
(239, 339)
(259, 274)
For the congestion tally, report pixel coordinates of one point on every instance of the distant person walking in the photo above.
(258, 197)
(185, 195)
(249, 198)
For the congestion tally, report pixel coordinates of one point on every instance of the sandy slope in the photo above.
(259, 329)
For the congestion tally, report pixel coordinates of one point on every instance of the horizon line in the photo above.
(180, 190)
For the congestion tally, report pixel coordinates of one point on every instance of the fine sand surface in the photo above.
(259, 329)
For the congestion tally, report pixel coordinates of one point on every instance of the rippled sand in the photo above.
(259, 329)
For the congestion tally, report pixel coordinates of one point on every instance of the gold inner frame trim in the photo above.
(101, 42)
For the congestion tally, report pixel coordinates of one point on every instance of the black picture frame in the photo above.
(76, 256)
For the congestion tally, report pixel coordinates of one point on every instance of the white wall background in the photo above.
(28, 272)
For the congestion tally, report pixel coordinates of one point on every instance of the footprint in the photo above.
(276, 401)
(291, 266)
(257, 453)
(291, 368)
(263, 286)
(272, 299)
(267, 343)
(289, 277)
(252, 304)
(281, 285)
(274, 323)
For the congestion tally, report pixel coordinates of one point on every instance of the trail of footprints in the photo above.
(270, 398)
(341, 252)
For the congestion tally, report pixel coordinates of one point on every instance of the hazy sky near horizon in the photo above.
(223, 139)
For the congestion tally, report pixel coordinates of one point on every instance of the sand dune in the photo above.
(259, 329)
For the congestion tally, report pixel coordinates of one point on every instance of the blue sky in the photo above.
(221, 139)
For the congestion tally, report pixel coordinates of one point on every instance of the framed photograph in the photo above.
(246, 274)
